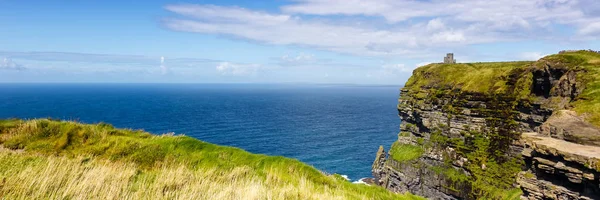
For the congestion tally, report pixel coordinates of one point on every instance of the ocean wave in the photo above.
(345, 177)
(361, 181)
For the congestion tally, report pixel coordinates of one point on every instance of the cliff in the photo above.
(504, 130)
(48, 159)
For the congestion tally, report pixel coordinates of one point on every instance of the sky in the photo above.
(278, 41)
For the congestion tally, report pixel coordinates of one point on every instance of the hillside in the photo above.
(48, 159)
(499, 130)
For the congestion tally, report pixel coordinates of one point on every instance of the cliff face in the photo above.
(498, 130)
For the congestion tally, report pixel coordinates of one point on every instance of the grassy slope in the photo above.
(79, 161)
(405, 152)
(492, 77)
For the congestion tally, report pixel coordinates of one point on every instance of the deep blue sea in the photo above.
(336, 128)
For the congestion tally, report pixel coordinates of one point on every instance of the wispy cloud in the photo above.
(234, 69)
(396, 68)
(101, 58)
(81, 63)
(80, 57)
(390, 70)
(421, 64)
(447, 24)
(163, 69)
(299, 59)
(591, 29)
(499, 13)
(531, 55)
(291, 30)
(9, 64)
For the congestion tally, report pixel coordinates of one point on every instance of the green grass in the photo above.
(470, 77)
(503, 85)
(483, 190)
(587, 103)
(512, 78)
(9, 123)
(405, 152)
(495, 180)
(148, 157)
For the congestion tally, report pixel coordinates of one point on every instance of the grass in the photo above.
(485, 191)
(587, 103)
(46, 159)
(504, 86)
(405, 152)
(495, 180)
(9, 123)
(514, 78)
(470, 77)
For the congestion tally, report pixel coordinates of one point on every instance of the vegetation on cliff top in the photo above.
(41, 159)
(487, 77)
(587, 103)
(513, 78)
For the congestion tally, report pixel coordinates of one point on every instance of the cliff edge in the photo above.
(499, 130)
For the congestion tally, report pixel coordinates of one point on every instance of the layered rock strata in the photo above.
(490, 141)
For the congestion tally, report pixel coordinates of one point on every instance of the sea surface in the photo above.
(336, 128)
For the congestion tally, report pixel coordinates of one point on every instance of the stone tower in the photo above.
(449, 59)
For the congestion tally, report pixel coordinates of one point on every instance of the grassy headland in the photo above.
(565, 81)
(47, 159)
(514, 78)
(469, 77)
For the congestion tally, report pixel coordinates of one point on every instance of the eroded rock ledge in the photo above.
(558, 169)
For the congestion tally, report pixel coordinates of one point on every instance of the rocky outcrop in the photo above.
(567, 125)
(472, 138)
(558, 169)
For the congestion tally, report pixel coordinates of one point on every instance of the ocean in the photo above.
(335, 128)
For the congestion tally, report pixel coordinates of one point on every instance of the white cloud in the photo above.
(8, 64)
(435, 24)
(532, 55)
(150, 61)
(163, 69)
(382, 8)
(423, 64)
(313, 33)
(396, 68)
(300, 59)
(390, 70)
(102, 64)
(227, 68)
(411, 28)
(449, 36)
(228, 14)
(464, 10)
(592, 29)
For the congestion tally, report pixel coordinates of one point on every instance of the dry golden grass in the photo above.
(35, 177)
(39, 163)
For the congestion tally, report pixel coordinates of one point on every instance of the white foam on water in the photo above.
(360, 181)
(345, 177)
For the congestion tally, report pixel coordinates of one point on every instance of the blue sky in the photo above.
(280, 41)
